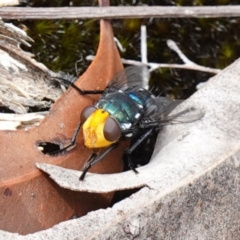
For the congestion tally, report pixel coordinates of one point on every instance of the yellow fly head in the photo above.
(93, 130)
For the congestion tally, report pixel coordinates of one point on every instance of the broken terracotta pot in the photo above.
(30, 200)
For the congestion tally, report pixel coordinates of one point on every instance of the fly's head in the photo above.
(99, 128)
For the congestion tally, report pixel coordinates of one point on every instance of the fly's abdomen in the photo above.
(140, 97)
(145, 100)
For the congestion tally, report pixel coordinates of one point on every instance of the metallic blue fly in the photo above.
(124, 110)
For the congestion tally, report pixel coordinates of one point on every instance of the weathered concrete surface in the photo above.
(192, 185)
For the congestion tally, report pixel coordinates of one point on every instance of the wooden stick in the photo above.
(119, 12)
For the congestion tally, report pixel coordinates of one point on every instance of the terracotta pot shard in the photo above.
(30, 200)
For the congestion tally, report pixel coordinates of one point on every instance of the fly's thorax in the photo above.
(100, 130)
(122, 107)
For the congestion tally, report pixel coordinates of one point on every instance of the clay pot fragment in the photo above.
(30, 200)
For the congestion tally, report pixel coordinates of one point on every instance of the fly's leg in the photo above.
(134, 146)
(49, 150)
(73, 141)
(81, 91)
(90, 159)
(70, 82)
(85, 92)
(94, 159)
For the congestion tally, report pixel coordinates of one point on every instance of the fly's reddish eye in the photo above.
(86, 112)
(111, 131)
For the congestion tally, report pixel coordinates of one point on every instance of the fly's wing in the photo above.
(163, 116)
(130, 77)
(165, 106)
(188, 115)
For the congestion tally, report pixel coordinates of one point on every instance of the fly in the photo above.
(124, 110)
